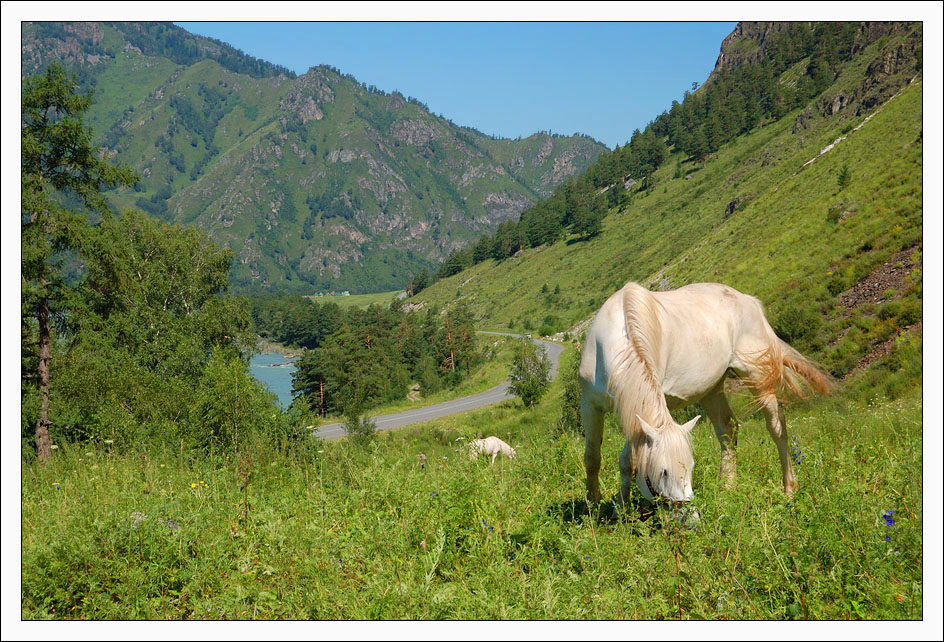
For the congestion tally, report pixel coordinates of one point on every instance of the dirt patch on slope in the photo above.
(883, 349)
(888, 276)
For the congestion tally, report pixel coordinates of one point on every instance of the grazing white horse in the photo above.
(649, 352)
(492, 446)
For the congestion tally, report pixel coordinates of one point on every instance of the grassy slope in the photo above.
(779, 244)
(345, 531)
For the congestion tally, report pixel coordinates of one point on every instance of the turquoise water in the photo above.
(275, 371)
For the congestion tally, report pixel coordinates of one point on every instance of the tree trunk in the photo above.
(43, 443)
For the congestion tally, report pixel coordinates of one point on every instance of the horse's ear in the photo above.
(687, 427)
(651, 432)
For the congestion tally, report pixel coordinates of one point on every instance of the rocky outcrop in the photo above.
(307, 94)
(747, 44)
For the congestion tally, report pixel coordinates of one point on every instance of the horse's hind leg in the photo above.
(593, 434)
(717, 408)
(777, 426)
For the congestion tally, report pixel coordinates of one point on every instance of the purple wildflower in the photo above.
(889, 521)
(797, 453)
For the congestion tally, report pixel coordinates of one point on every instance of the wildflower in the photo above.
(486, 525)
(889, 521)
(434, 494)
(193, 485)
(797, 453)
(54, 447)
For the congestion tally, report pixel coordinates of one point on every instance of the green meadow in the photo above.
(366, 529)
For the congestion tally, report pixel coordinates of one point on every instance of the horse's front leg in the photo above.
(593, 434)
(627, 479)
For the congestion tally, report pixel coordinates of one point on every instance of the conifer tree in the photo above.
(57, 157)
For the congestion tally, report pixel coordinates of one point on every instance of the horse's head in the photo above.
(664, 468)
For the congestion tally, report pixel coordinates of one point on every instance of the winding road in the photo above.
(480, 400)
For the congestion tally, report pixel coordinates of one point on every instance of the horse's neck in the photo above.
(638, 389)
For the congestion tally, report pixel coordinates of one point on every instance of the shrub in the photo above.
(359, 427)
(232, 408)
(845, 177)
(530, 372)
(568, 419)
(797, 324)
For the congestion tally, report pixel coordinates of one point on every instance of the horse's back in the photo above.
(702, 328)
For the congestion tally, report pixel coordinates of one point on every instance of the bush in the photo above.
(797, 324)
(530, 372)
(568, 419)
(360, 428)
(232, 409)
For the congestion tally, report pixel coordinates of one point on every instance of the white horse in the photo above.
(649, 352)
(491, 446)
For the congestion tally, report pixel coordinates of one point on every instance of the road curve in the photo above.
(417, 415)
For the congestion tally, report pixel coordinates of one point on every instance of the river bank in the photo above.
(266, 346)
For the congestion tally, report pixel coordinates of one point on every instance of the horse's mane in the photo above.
(634, 384)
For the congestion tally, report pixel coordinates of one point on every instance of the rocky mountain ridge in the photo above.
(316, 182)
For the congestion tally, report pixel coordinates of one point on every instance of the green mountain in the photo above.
(814, 206)
(316, 182)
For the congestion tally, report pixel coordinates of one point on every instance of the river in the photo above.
(275, 371)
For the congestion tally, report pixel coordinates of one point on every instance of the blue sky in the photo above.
(508, 79)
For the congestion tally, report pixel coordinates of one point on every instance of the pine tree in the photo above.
(57, 157)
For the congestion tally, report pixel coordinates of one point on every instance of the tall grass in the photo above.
(347, 530)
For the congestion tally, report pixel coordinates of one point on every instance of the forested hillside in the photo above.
(316, 182)
(794, 174)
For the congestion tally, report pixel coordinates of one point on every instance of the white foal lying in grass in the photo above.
(490, 446)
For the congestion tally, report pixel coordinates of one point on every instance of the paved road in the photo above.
(491, 396)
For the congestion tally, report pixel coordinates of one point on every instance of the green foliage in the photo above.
(150, 309)
(568, 419)
(360, 428)
(295, 321)
(232, 409)
(530, 372)
(797, 324)
(58, 158)
(844, 178)
(373, 355)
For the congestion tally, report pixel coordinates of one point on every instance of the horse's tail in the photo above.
(800, 366)
(781, 368)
